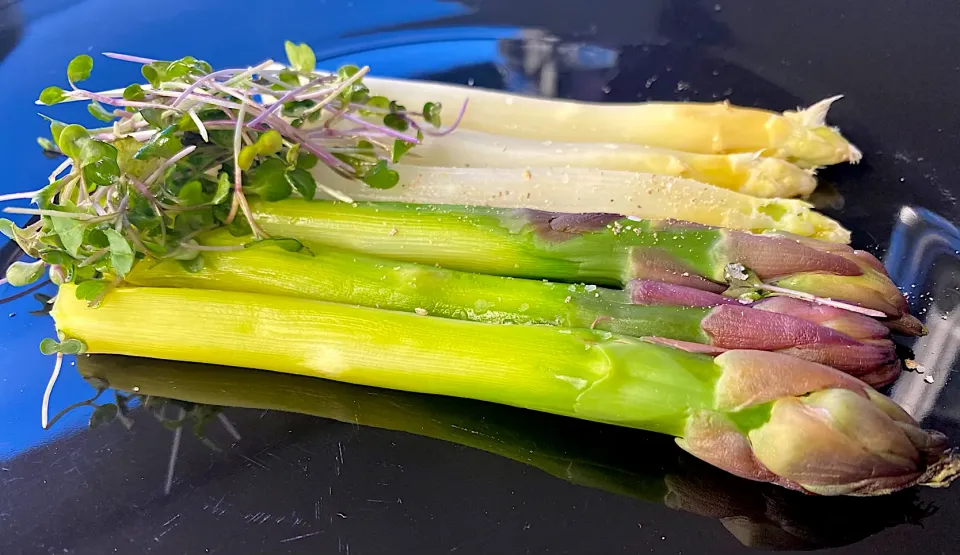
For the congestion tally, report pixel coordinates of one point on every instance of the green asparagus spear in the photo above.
(704, 320)
(605, 249)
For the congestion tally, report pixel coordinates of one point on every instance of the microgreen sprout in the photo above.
(179, 155)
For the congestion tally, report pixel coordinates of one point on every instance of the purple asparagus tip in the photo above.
(648, 292)
(740, 327)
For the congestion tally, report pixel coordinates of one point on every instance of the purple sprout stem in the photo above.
(452, 128)
(193, 86)
(381, 128)
(119, 102)
(285, 98)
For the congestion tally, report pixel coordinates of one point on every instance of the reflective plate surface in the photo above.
(314, 467)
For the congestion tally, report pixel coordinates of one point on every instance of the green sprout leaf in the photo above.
(47, 145)
(302, 182)
(91, 289)
(98, 111)
(52, 95)
(71, 139)
(268, 180)
(223, 188)
(431, 113)
(49, 346)
(191, 194)
(70, 232)
(79, 68)
(307, 161)
(401, 147)
(162, 145)
(24, 273)
(267, 144)
(134, 92)
(381, 177)
(67, 347)
(73, 347)
(396, 121)
(121, 253)
(285, 243)
(8, 228)
(99, 162)
(56, 128)
(301, 57)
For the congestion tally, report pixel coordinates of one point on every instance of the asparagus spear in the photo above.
(605, 249)
(576, 189)
(746, 173)
(763, 416)
(801, 136)
(644, 309)
(585, 455)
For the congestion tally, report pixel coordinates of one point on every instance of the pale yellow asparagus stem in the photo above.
(642, 195)
(801, 137)
(747, 173)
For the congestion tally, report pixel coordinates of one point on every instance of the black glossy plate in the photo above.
(366, 471)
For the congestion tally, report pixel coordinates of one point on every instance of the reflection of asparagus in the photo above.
(762, 415)
(756, 514)
(856, 344)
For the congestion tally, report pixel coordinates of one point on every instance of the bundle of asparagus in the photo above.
(712, 335)
(686, 318)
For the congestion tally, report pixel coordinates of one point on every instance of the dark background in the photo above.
(299, 484)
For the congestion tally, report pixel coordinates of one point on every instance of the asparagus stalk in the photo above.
(576, 189)
(716, 324)
(745, 173)
(585, 455)
(763, 416)
(605, 249)
(801, 136)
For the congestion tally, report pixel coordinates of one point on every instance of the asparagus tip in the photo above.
(816, 114)
(942, 472)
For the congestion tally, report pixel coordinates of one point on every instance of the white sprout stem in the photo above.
(128, 58)
(201, 81)
(248, 73)
(200, 127)
(169, 162)
(336, 92)
(55, 174)
(237, 179)
(18, 196)
(42, 212)
(822, 300)
(45, 406)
